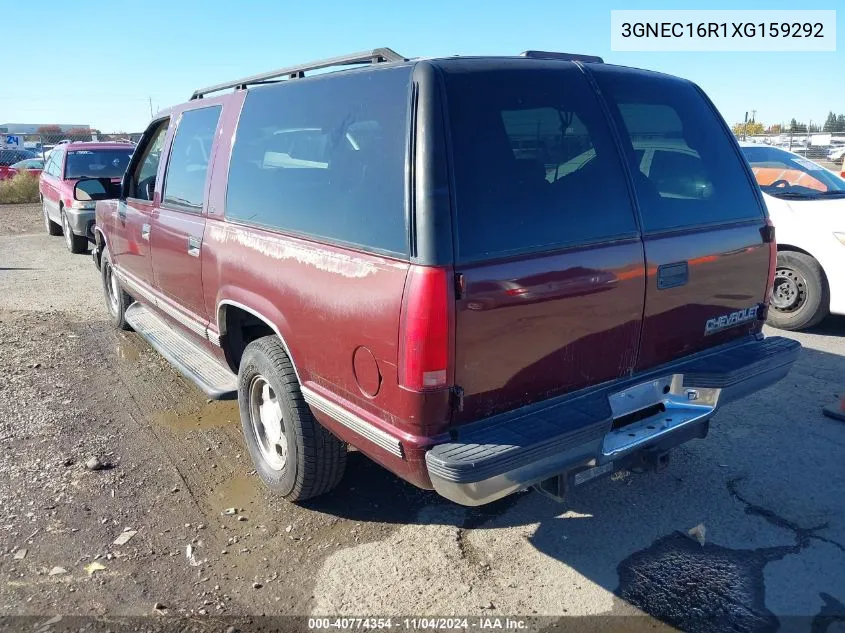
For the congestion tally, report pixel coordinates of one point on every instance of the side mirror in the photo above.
(93, 189)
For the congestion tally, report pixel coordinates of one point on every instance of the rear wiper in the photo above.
(791, 194)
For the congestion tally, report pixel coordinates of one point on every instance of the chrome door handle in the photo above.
(193, 246)
(145, 232)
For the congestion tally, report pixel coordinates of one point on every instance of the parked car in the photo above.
(836, 154)
(390, 257)
(9, 157)
(68, 163)
(32, 166)
(806, 202)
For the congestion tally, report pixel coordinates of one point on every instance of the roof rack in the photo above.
(377, 55)
(569, 57)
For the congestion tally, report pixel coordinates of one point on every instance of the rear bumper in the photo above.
(610, 426)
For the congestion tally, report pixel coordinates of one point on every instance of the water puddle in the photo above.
(240, 491)
(126, 350)
(212, 415)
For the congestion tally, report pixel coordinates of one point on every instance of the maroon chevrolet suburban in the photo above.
(459, 266)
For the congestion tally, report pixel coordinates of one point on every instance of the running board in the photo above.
(192, 361)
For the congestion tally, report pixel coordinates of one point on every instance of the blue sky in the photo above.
(99, 61)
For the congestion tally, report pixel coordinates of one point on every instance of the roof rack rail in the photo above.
(569, 57)
(377, 55)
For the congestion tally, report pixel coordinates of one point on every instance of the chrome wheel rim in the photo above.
(112, 288)
(268, 424)
(789, 292)
(66, 227)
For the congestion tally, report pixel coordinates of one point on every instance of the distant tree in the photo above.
(829, 123)
(49, 129)
(794, 126)
(840, 123)
(79, 134)
(814, 127)
(750, 128)
(777, 128)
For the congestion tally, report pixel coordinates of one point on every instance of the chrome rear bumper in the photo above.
(614, 422)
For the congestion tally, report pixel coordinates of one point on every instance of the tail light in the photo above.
(425, 325)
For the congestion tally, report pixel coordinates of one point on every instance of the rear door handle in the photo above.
(194, 246)
(145, 232)
(672, 275)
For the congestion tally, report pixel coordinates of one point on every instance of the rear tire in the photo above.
(116, 299)
(295, 455)
(800, 297)
(52, 228)
(76, 244)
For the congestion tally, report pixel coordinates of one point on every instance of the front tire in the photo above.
(116, 299)
(293, 454)
(76, 244)
(52, 228)
(800, 297)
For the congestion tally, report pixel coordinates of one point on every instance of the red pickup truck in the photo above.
(455, 265)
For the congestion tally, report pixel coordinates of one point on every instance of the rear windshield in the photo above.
(535, 166)
(97, 163)
(686, 168)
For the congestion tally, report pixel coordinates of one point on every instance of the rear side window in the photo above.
(190, 154)
(535, 167)
(325, 157)
(685, 167)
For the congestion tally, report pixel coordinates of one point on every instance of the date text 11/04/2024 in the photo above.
(418, 624)
(722, 29)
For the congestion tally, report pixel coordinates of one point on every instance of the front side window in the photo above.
(97, 163)
(694, 176)
(535, 166)
(786, 175)
(190, 155)
(325, 157)
(142, 185)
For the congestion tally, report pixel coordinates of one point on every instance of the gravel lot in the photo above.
(767, 485)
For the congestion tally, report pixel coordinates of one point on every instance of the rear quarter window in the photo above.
(325, 157)
(695, 175)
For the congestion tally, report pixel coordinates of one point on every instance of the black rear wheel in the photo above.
(293, 453)
(800, 296)
(75, 243)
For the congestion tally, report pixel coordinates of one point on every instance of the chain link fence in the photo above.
(824, 147)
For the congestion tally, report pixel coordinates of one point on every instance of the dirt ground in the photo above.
(766, 486)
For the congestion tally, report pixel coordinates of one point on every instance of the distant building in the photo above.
(32, 128)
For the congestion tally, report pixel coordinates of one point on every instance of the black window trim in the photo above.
(319, 239)
(133, 164)
(171, 205)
